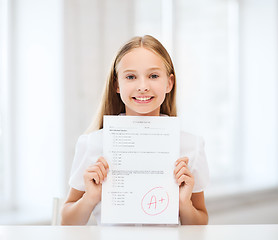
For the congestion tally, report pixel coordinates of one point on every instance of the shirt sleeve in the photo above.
(200, 168)
(88, 149)
(77, 170)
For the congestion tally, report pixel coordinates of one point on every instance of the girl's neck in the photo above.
(129, 112)
(161, 115)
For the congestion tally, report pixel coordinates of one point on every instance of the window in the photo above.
(31, 111)
(207, 99)
(5, 113)
(202, 40)
(214, 46)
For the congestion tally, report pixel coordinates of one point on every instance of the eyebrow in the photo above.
(149, 69)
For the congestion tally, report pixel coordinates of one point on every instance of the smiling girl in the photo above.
(142, 82)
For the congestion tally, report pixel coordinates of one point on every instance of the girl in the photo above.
(141, 82)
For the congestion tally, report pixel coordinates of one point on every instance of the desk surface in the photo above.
(213, 232)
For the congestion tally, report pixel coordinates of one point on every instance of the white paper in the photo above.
(140, 187)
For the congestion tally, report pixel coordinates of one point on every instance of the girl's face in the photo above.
(143, 82)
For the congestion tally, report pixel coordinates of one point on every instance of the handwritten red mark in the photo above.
(149, 203)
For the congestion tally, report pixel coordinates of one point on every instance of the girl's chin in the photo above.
(141, 112)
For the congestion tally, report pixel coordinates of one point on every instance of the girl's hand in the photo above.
(94, 177)
(184, 179)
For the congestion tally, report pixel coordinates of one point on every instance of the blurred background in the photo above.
(55, 57)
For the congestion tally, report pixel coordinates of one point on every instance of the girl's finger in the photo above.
(104, 162)
(102, 170)
(183, 171)
(179, 166)
(91, 168)
(183, 159)
(90, 176)
(99, 168)
(96, 168)
(186, 180)
(181, 180)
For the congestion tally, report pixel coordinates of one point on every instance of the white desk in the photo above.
(210, 232)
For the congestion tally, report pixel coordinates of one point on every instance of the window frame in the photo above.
(6, 82)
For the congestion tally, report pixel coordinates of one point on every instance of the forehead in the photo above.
(140, 59)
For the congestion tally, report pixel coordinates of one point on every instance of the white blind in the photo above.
(225, 58)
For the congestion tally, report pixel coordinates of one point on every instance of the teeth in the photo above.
(143, 98)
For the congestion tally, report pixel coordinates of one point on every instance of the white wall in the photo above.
(94, 31)
(36, 73)
(258, 67)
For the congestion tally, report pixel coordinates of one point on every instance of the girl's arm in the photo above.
(77, 209)
(192, 205)
(194, 212)
(79, 205)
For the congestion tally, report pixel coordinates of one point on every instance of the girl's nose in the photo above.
(143, 89)
(143, 86)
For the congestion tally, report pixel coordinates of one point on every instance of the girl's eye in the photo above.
(130, 77)
(154, 76)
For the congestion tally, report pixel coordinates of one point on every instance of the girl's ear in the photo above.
(116, 86)
(170, 83)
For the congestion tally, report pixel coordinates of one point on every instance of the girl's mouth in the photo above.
(143, 99)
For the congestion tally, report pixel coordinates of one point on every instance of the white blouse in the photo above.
(89, 149)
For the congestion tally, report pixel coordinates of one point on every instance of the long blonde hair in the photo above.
(111, 103)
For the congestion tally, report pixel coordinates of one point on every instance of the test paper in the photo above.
(140, 187)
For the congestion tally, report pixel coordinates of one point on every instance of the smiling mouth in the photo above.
(143, 99)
